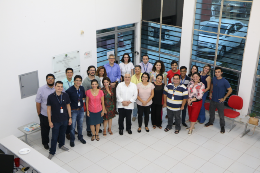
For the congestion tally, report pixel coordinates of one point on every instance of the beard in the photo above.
(50, 84)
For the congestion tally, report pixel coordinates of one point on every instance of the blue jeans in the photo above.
(202, 117)
(77, 117)
(58, 133)
(135, 110)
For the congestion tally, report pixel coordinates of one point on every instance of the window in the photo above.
(256, 95)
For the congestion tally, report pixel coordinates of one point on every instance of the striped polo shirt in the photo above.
(175, 96)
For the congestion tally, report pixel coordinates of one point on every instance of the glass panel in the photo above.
(126, 44)
(171, 40)
(167, 59)
(151, 10)
(153, 56)
(125, 26)
(256, 99)
(105, 30)
(172, 12)
(150, 36)
(104, 45)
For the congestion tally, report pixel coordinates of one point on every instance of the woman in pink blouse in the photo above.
(95, 108)
(196, 90)
(144, 100)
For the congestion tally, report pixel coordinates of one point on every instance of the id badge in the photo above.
(78, 103)
(172, 96)
(61, 111)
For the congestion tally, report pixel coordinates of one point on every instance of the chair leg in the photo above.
(246, 131)
(232, 124)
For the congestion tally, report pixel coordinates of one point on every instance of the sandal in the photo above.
(154, 126)
(93, 137)
(147, 130)
(104, 132)
(110, 132)
(166, 129)
(97, 137)
(177, 131)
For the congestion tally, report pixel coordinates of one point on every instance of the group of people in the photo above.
(139, 90)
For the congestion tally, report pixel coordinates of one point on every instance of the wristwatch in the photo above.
(70, 117)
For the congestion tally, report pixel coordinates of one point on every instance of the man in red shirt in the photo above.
(173, 71)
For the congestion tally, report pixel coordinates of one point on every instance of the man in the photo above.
(219, 86)
(175, 98)
(173, 71)
(77, 95)
(87, 85)
(136, 78)
(145, 65)
(59, 116)
(184, 80)
(126, 94)
(41, 106)
(114, 74)
(67, 83)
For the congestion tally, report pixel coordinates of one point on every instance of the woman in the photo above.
(156, 107)
(101, 73)
(206, 80)
(109, 105)
(194, 69)
(196, 90)
(158, 68)
(95, 108)
(126, 66)
(144, 100)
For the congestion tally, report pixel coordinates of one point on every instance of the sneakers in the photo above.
(121, 132)
(222, 130)
(82, 141)
(46, 146)
(208, 124)
(64, 148)
(133, 119)
(50, 156)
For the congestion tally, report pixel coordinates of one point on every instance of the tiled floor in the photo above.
(206, 150)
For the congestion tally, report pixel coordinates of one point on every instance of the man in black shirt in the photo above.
(59, 116)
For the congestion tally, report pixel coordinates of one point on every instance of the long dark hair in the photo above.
(129, 58)
(190, 74)
(95, 80)
(162, 66)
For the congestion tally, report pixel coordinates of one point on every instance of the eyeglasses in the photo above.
(77, 80)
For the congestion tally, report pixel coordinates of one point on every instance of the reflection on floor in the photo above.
(206, 150)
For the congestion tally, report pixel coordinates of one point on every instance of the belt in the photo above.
(76, 109)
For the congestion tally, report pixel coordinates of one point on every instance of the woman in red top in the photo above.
(95, 108)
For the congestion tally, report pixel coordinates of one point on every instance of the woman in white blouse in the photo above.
(126, 66)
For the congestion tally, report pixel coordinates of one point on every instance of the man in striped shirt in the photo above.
(175, 97)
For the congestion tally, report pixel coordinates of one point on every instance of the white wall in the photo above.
(32, 32)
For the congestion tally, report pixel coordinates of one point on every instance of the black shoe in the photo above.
(72, 144)
(121, 132)
(76, 132)
(129, 132)
(173, 124)
(139, 131)
(222, 130)
(68, 136)
(166, 116)
(82, 141)
(184, 124)
(89, 134)
(147, 130)
(100, 131)
(46, 146)
(208, 124)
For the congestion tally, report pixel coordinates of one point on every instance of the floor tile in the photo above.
(83, 148)
(67, 156)
(187, 146)
(69, 169)
(57, 161)
(213, 145)
(109, 147)
(152, 168)
(147, 140)
(137, 162)
(161, 146)
(122, 140)
(150, 154)
(193, 161)
(123, 154)
(80, 163)
(238, 145)
(177, 153)
(204, 153)
(231, 153)
(135, 147)
(109, 163)
(95, 155)
(197, 139)
(222, 138)
(172, 139)
(221, 161)
(249, 161)
(94, 169)
(240, 168)
(206, 132)
(254, 151)
(182, 168)
(165, 161)
(124, 168)
(212, 168)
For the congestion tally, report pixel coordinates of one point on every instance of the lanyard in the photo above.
(60, 101)
(183, 81)
(69, 84)
(78, 92)
(146, 67)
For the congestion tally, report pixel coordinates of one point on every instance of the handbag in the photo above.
(253, 121)
(84, 106)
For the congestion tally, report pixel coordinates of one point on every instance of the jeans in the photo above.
(202, 117)
(212, 107)
(143, 110)
(77, 117)
(58, 133)
(45, 129)
(177, 116)
(124, 113)
(135, 110)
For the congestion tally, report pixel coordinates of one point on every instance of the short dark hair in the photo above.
(174, 62)
(91, 66)
(162, 66)
(58, 82)
(176, 75)
(50, 75)
(94, 80)
(146, 75)
(159, 75)
(138, 66)
(129, 58)
(146, 55)
(106, 78)
(183, 67)
(77, 76)
(67, 69)
(218, 68)
(197, 73)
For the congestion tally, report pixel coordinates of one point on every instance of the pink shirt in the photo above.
(94, 102)
(144, 92)
(196, 91)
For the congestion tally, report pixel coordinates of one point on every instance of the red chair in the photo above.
(207, 104)
(234, 102)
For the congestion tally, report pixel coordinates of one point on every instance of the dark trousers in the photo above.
(183, 113)
(45, 129)
(114, 91)
(171, 114)
(124, 113)
(58, 135)
(156, 115)
(68, 129)
(212, 107)
(143, 110)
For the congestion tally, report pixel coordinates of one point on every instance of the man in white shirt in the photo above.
(145, 65)
(126, 94)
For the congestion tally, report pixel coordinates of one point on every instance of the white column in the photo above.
(187, 32)
(138, 42)
(250, 58)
